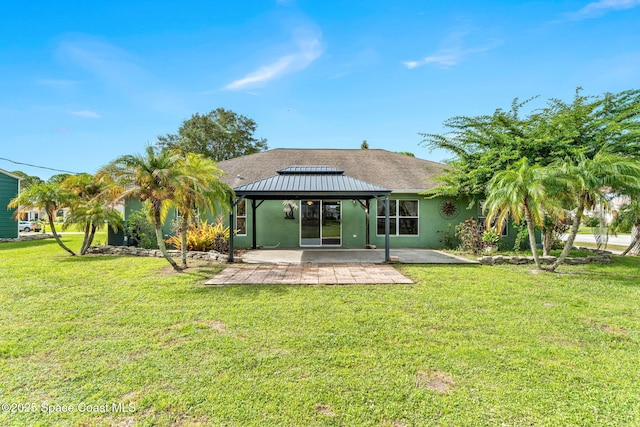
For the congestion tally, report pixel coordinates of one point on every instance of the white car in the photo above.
(26, 226)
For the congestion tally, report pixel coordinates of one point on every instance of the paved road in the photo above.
(620, 239)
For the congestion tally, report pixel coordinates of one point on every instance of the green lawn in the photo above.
(465, 346)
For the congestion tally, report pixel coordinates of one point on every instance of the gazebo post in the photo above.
(367, 234)
(253, 222)
(387, 256)
(232, 231)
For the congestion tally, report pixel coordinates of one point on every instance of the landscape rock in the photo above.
(600, 257)
(155, 253)
(486, 260)
(29, 237)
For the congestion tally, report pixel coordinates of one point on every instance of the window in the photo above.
(403, 218)
(241, 218)
(482, 219)
(196, 214)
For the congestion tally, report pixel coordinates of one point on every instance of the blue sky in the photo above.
(82, 83)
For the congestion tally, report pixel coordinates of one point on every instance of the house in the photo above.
(9, 188)
(335, 198)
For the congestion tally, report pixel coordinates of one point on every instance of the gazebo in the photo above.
(309, 183)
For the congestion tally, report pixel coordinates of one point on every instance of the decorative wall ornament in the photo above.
(289, 207)
(449, 209)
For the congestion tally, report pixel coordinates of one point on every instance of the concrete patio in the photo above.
(327, 266)
(371, 256)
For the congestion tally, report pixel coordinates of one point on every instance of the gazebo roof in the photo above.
(297, 182)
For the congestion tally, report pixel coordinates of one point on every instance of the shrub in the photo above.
(521, 236)
(140, 231)
(203, 236)
(449, 239)
(491, 238)
(470, 234)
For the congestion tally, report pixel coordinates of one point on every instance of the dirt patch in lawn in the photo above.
(436, 381)
(324, 410)
(613, 330)
(216, 325)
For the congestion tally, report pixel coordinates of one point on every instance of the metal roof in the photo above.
(310, 170)
(295, 182)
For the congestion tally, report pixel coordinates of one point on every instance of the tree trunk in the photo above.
(635, 241)
(571, 238)
(92, 234)
(87, 229)
(57, 237)
(184, 224)
(532, 236)
(547, 241)
(157, 224)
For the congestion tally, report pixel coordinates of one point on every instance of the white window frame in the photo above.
(397, 217)
(236, 216)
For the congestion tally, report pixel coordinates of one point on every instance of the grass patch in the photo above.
(465, 345)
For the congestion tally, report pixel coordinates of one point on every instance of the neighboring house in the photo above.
(609, 212)
(9, 188)
(32, 214)
(296, 198)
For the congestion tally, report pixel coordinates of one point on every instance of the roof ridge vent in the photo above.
(310, 170)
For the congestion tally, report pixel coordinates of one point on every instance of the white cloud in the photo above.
(451, 52)
(307, 47)
(86, 114)
(598, 8)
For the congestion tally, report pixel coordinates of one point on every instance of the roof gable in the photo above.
(2, 171)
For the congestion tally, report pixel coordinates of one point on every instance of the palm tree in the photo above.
(90, 208)
(629, 217)
(92, 215)
(153, 178)
(201, 189)
(589, 181)
(46, 196)
(520, 192)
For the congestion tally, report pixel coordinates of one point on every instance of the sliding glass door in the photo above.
(310, 223)
(320, 223)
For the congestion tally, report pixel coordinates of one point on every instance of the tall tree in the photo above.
(520, 192)
(152, 177)
(27, 180)
(589, 181)
(58, 178)
(484, 145)
(46, 196)
(90, 207)
(200, 189)
(219, 135)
